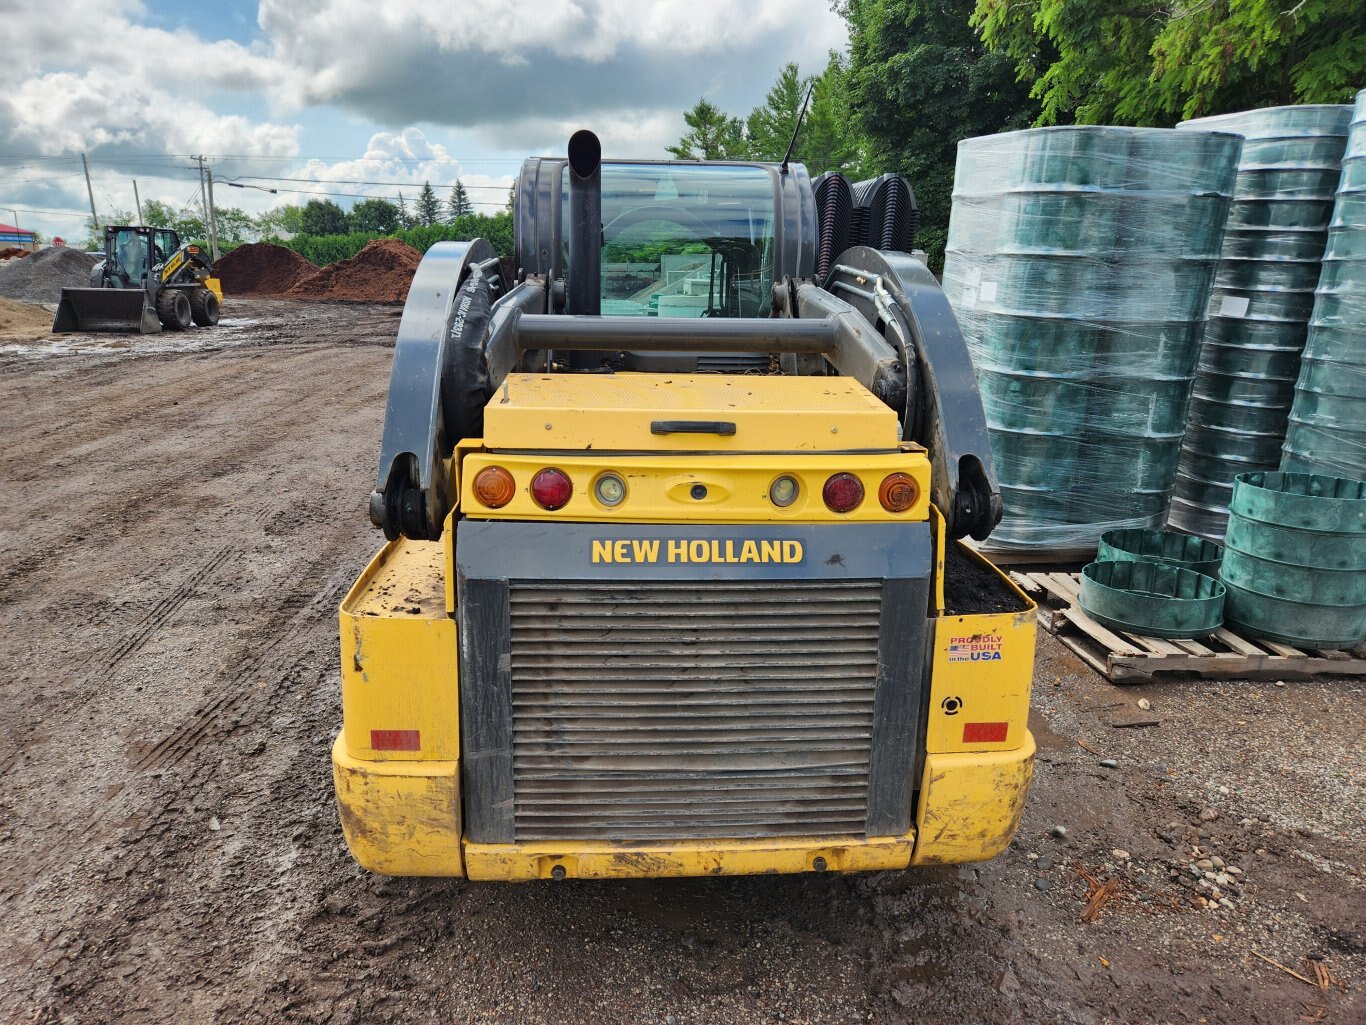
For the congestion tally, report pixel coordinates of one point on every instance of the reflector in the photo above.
(551, 488)
(494, 487)
(842, 492)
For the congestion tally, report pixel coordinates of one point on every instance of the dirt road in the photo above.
(179, 526)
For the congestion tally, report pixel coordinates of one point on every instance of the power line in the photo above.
(351, 181)
(53, 213)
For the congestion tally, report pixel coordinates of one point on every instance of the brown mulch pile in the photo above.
(13, 252)
(260, 268)
(379, 273)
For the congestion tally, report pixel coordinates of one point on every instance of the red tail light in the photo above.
(842, 492)
(551, 488)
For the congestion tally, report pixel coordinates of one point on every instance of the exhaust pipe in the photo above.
(584, 288)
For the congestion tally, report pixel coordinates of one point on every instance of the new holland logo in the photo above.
(734, 550)
(977, 648)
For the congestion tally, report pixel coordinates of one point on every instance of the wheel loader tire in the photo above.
(173, 309)
(204, 307)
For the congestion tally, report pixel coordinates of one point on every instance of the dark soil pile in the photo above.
(972, 589)
(41, 277)
(379, 273)
(260, 268)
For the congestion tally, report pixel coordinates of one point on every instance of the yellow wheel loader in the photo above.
(674, 582)
(146, 281)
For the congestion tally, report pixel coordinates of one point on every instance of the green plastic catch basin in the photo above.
(1163, 546)
(1079, 263)
(1151, 598)
(1261, 303)
(1327, 425)
(1295, 558)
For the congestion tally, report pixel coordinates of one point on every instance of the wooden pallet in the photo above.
(1126, 657)
(1053, 557)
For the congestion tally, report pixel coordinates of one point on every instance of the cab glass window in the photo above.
(685, 241)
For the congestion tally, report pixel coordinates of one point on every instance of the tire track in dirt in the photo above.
(298, 611)
(98, 664)
(251, 443)
(162, 612)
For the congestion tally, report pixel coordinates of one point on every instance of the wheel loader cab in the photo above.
(673, 538)
(685, 241)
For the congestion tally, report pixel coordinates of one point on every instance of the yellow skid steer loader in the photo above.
(147, 281)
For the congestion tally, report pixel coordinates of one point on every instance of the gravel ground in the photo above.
(182, 516)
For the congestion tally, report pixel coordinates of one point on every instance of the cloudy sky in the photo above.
(358, 97)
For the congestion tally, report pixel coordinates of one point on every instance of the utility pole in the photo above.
(213, 217)
(203, 199)
(91, 193)
(137, 202)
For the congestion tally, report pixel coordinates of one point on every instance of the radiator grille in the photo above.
(684, 710)
(733, 363)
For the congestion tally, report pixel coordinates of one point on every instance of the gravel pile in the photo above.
(41, 277)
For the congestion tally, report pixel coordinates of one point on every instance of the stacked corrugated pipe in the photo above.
(835, 217)
(1327, 431)
(1261, 303)
(1079, 263)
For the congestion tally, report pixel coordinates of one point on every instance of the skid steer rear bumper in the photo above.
(403, 818)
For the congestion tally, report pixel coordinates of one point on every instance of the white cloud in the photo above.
(409, 61)
(64, 112)
(515, 76)
(404, 161)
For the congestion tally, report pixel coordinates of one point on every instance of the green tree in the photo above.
(94, 237)
(918, 81)
(279, 221)
(712, 135)
(459, 203)
(377, 215)
(768, 129)
(829, 140)
(405, 216)
(322, 217)
(158, 214)
(1155, 63)
(235, 225)
(428, 206)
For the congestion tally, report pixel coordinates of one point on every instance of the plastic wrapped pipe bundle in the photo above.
(1327, 431)
(1079, 262)
(1261, 302)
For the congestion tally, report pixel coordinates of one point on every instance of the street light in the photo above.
(262, 188)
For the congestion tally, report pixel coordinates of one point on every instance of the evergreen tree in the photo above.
(459, 204)
(428, 206)
(405, 216)
(769, 128)
(712, 135)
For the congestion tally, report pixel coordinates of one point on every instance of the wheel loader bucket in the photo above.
(105, 309)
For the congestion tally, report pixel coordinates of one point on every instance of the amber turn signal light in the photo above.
(494, 487)
(898, 492)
